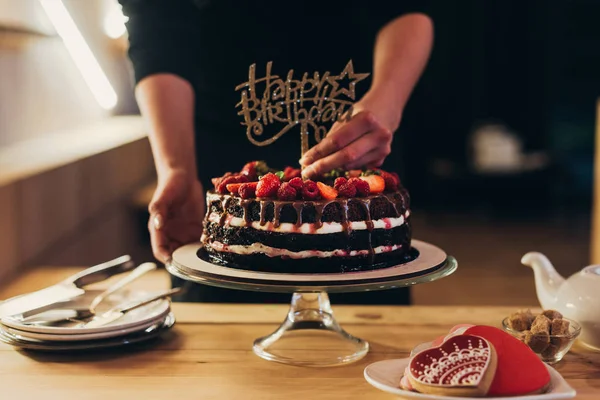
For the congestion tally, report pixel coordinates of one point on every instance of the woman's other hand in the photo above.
(176, 213)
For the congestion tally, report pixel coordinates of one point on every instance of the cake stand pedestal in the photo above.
(310, 318)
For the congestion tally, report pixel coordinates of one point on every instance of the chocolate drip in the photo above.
(245, 204)
(277, 206)
(298, 206)
(319, 213)
(390, 200)
(345, 217)
(224, 204)
(263, 211)
(369, 221)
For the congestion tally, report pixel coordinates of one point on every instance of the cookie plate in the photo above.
(385, 375)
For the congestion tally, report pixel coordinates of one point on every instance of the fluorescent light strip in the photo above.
(80, 53)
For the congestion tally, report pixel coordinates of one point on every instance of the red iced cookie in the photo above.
(464, 365)
(519, 369)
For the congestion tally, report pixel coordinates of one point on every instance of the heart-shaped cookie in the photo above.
(519, 370)
(463, 365)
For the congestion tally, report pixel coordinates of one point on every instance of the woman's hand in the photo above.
(176, 213)
(363, 141)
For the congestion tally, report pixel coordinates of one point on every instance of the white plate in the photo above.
(134, 318)
(386, 375)
(53, 337)
(136, 337)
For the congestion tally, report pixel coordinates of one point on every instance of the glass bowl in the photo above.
(557, 345)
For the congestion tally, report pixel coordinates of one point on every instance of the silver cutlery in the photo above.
(59, 315)
(119, 311)
(45, 299)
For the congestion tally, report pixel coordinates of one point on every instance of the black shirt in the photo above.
(211, 44)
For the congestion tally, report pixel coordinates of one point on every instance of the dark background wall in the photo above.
(533, 66)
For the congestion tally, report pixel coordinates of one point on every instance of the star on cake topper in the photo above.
(307, 101)
(354, 79)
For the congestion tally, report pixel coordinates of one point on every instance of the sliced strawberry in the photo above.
(354, 173)
(327, 192)
(234, 187)
(268, 186)
(376, 183)
(248, 190)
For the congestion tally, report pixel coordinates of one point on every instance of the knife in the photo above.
(60, 312)
(117, 312)
(69, 288)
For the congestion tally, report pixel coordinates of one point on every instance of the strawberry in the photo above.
(253, 169)
(268, 185)
(222, 187)
(217, 181)
(290, 173)
(327, 192)
(297, 183)
(339, 182)
(353, 173)
(376, 183)
(310, 190)
(286, 192)
(248, 190)
(347, 189)
(362, 187)
(234, 187)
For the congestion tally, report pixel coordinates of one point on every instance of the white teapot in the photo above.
(577, 298)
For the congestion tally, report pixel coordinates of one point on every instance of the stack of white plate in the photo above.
(138, 325)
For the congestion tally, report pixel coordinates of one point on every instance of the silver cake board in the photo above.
(310, 312)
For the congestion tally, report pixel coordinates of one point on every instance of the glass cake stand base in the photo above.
(310, 334)
(310, 324)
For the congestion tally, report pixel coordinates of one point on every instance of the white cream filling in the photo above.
(309, 228)
(275, 252)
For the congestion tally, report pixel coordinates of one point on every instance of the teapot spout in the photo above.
(547, 280)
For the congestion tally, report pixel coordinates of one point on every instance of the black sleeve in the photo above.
(161, 37)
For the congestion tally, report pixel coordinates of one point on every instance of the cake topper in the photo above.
(308, 102)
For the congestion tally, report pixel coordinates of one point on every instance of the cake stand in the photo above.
(310, 317)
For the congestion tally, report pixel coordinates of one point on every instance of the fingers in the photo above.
(160, 243)
(340, 137)
(369, 149)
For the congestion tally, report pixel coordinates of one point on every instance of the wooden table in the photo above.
(207, 355)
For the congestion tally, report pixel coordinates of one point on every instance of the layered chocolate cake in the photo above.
(266, 220)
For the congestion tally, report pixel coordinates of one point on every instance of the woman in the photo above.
(188, 57)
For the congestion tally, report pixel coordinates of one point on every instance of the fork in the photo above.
(82, 313)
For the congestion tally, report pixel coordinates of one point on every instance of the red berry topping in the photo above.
(286, 192)
(310, 191)
(327, 192)
(362, 187)
(354, 173)
(339, 182)
(268, 186)
(290, 173)
(248, 190)
(222, 187)
(376, 183)
(297, 183)
(233, 187)
(347, 189)
(249, 170)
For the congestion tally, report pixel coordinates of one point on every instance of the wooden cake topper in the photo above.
(307, 101)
